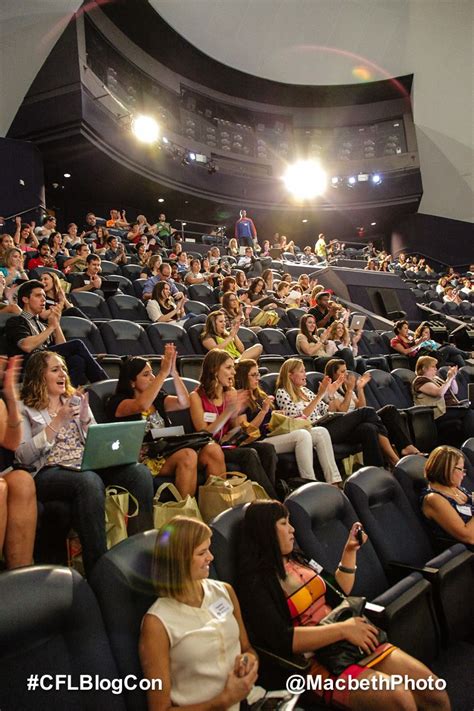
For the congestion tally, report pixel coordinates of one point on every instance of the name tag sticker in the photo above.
(315, 566)
(210, 417)
(220, 608)
(466, 510)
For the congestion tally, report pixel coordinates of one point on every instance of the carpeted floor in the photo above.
(456, 666)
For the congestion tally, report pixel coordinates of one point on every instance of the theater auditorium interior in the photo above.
(236, 286)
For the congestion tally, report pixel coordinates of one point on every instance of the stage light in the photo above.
(351, 180)
(192, 156)
(67, 175)
(165, 140)
(335, 181)
(305, 179)
(161, 199)
(145, 129)
(304, 220)
(376, 178)
(373, 224)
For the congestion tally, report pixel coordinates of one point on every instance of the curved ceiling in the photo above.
(298, 41)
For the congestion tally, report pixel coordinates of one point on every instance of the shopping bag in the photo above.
(283, 424)
(117, 502)
(164, 511)
(219, 494)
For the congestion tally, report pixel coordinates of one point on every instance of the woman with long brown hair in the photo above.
(215, 335)
(301, 442)
(216, 407)
(161, 308)
(139, 395)
(55, 427)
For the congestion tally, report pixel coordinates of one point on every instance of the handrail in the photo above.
(17, 214)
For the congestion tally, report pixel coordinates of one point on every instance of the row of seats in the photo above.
(52, 619)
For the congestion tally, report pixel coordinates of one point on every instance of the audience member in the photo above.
(301, 441)
(204, 659)
(27, 334)
(44, 258)
(139, 395)
(350, 396)
(17, 489)
(284, 598)
(363, 426)
(216, 408)
(89, 279)
(431, 390)
(215, 335)
(445, 503)
(115, 251)
(55, 295)
(163, 273)
(55, 429)
(13, 270)
(161, 307)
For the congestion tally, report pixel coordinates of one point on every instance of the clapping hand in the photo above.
(363, 380)
(336, 384)
(324, 385)
(267, 403)
(169, 359)
(10, 370)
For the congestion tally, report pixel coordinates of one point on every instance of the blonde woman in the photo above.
(429, 389)
(339, 337)
(215, 335)
(296, 400)
(203, 659)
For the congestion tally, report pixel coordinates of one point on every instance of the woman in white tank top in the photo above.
(193, 637)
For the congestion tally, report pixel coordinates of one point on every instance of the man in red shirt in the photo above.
(44, 258)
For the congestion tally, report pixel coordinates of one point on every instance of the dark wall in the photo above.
(22, 184)
(438, 238)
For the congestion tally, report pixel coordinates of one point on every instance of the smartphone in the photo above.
(360, 535)
(75, 401)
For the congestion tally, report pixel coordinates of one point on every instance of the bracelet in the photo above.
(348, 571)
(52, 429)
(16, 424)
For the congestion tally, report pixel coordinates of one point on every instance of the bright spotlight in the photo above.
(165, 140)
(145, 129)
(352, 180)
(335, 181)
(376, 178)
(305, 179)
(192, 156)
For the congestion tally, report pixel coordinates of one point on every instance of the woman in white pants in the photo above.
(301, 442)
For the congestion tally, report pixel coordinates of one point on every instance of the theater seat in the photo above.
(195, 335)
(274, 342)
(50, 623)
(399, 538)
(122, 582)
(98, 394)
(127, 307)
(84, 330)
(93, 305)
(202, 293)
(125, 338)
(162, 333)
(322, 516)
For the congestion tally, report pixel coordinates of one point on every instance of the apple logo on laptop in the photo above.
(116, 445)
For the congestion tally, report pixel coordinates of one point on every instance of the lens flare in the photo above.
(305, 179)
(362, 73)
(145, 129)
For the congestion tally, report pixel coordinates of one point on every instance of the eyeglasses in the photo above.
(460, 469)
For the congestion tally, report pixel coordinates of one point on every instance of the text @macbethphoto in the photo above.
(90, 682)
(298, 683)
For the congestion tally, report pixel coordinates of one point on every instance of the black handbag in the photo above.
(166, 446)
(338, 656)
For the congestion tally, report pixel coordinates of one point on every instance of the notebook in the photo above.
(111, 444)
